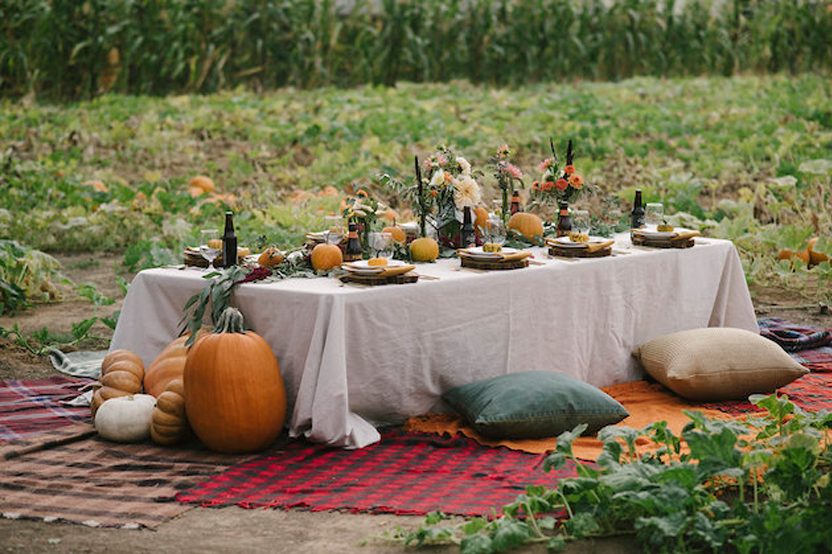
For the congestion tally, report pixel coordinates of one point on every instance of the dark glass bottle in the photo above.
(515, 202)
(229, 242)
(352, 251)
(468, 237)
(637, 215)
(564, 225)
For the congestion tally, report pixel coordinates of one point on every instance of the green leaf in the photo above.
(477, 544)
(82, 328)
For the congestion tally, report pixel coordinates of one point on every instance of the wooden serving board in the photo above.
(377, 280)
(489, 265)
(579, 252)
(661, 243)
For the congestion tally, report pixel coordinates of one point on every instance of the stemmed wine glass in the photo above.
(207, 241)
(334, 232)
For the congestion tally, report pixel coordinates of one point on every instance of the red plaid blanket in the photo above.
(34, 406)
(403, 474)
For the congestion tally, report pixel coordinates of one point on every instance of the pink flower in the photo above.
(561, 184)
(547, 186)
(535, 186)
(513, 171)
(545, 164)
(569, 169)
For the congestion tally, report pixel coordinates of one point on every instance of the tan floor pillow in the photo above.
(718, 363)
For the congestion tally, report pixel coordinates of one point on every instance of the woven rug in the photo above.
(34, 406)
(69, 474)
(403, 474)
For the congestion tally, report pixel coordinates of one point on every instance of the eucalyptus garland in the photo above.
(222, 284)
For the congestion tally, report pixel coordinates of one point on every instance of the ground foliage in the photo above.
(81, 49)
(744, 158)
(761, 485)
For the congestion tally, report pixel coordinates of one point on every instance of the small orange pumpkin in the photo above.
(481, 221)
(169, 424)
(270, 257)
(122, 373)
(397, 233)
(205, 184)
(234, 394)
(326, 257)
(815, 257)
(528, 225)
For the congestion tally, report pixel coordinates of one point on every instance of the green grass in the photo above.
(712, 147)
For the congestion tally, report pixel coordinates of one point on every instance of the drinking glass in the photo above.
(334, 232)
(580, 221)
(653, 214)
(381, 244)
(210, 254)
(494, 230)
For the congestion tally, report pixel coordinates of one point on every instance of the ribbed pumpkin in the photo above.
(169, 424)
(234, 393)
(168, 365)
(270, 257)
(325, 257)
(528, 225)
(122, 373)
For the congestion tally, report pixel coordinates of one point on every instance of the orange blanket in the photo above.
(646, 402)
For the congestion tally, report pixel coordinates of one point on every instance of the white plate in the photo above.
(478, 254)
(651, 233)
(566, 242)
(363, 265)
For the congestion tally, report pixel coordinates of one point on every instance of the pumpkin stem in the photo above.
(231, 321)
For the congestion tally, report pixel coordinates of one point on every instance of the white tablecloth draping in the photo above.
(353, 355)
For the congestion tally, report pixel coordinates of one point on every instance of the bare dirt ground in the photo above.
(235, 529)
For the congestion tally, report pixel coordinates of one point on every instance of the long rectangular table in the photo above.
(353, 356)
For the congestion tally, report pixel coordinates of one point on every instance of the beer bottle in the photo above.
(229, 242)
(467, 237)
(352, 251)
(637, 215)
(515, 202)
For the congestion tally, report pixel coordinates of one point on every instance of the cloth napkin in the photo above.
(686, 235)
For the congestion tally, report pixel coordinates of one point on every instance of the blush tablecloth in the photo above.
(353, 356)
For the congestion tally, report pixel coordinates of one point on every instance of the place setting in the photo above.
(381, 269)
(656, 231)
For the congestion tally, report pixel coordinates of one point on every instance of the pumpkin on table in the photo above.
(122, 373)
(169, 424)
(234, 394)
(528, 225)
(326, 256)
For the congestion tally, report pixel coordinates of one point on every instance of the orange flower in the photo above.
(434, 193)
(535, 186)
(576, 181)
(561, 184)
(569, 169)
(362, 192)
(547, 186)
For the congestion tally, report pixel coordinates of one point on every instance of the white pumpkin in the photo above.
(125, 418)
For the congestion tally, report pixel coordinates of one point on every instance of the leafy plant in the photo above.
(761, 485)
(27, 275)
(41, 341)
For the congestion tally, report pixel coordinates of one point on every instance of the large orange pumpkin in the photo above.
(234, 393)
(528, 225)
(168, 365)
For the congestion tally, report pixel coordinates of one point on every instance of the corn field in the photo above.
(76, 49)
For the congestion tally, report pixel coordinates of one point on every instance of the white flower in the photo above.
(464, 165)
(466, 192)
(438, 178)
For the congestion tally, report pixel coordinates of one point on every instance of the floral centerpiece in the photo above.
(506, 174)
(559, 186)
(439, 198)
(361, 209)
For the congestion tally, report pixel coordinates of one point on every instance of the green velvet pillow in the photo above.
(532, 405)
